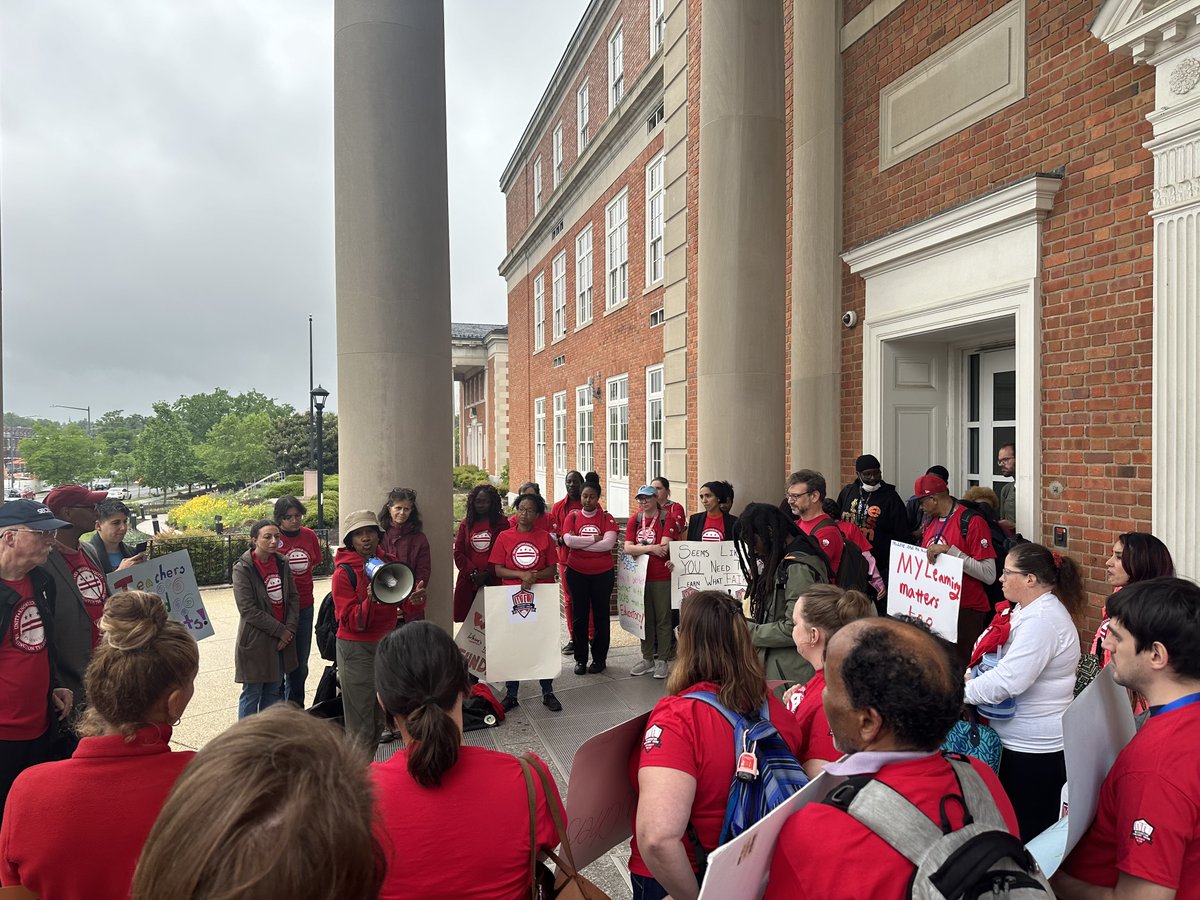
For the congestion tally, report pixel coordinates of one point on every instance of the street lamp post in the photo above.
(319, 396)
(84, 409)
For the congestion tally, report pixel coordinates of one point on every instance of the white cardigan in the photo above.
(1037, 666)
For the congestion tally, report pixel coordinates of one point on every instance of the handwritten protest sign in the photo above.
(738, 869)
(600, 795)
(522, 629)
(470, 638)
(924, 590)
(705, 566)
(631, 593)
(172, 578)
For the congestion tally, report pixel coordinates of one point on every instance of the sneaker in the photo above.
(660, 668)
(569, 648)
(551, 703)
(509, 702)
(596, 668)
(580, 669)
(643, 667)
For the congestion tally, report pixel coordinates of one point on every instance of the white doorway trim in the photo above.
(973, 268)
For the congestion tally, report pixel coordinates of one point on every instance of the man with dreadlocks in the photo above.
(779, 563)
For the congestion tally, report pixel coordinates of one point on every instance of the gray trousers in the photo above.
(356, 674)
(658, 619)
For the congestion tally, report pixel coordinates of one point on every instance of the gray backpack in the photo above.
(981, 859)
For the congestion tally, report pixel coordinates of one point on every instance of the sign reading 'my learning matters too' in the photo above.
(925, 590)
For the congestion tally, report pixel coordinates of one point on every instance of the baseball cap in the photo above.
(66, 495)
(34, 515)
(646, 491)
(865, 463)
(363, 518)
(928, 485)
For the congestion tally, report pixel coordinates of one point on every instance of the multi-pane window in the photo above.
(558, 155)
(616, 256)
(558, 288)
(537, 185)
(616, 67)
(618, 428)
(658, 25)
(539, 434)
(582, 112)
(539, 312)
(584, 437)
(583, 279)
(654, 422)
(654, 220)
(560, 434)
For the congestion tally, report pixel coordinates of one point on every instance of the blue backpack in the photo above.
(779, 772)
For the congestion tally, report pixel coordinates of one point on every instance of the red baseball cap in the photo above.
(67, 495)
(928, 485)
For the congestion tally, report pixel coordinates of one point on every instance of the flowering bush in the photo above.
(201, 512)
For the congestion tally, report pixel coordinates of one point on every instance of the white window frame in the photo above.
(558, 292)
(583, 277)
(585, 430)
(655, 421)
(539, 312)
(658, 25)
(539, 434)
(560, 436)
(582, 114)
(557, 143)
(616, 434)
(537, 185)
(616, 251)
(654, 220)
(616, 66)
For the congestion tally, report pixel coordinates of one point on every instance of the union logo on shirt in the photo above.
(274, 589)
(525, 555)
(589, 531)
(646, 536)
(481, 541)
(712, 534)
(297, 559)
(29, 634)
(1143, 832)
(653, 738)
(90, 585)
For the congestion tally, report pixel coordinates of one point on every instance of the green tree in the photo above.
(60, 454)
(235, 450)
(200, 412)
(163, 453)
(116, 435)
(287, 442)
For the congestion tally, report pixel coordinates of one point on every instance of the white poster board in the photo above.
(1096, 727)
(705, 566)
(631, 593)
(600, 795)
(738, 870)
(522, 628)
(171, 577)
(927, 591)
(470, 638)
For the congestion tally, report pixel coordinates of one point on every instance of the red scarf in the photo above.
(995, 636)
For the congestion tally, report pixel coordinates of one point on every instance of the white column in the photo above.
(395, 420)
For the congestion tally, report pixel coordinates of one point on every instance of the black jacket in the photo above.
(44, 597)
(880, 514)
(695, 529)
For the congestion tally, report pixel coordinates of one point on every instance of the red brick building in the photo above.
(916, 228)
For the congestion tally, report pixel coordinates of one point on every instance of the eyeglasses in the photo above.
(794, 496)
(1004, 459)
(1011, 573)
(49, 534)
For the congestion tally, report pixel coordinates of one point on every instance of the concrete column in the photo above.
(740, 304)
(816, 240)
(394, 402)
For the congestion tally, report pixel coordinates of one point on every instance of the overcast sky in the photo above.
(166, 189)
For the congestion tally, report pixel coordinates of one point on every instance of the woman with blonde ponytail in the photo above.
(74, 829)
(436, 786)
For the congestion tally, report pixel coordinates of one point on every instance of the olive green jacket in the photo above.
(773, 638)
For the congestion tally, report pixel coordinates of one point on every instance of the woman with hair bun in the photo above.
(75, 828)
(820, 613)
(436, 783)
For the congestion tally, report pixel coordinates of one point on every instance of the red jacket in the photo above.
(410, 547)
(359, 618)
(470, 555)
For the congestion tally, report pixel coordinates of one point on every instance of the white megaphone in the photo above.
(391, 582)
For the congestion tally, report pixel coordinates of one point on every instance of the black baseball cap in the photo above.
(36, 516)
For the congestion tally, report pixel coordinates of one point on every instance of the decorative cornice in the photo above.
(1176, 172)
(1150, 29)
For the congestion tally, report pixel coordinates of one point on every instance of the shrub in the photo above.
(201, 512)
(502, 487)
(331, 510)
(466, 477)
(212, 555)
(293, 485)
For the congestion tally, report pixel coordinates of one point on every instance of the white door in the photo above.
(991, 413)
(914, 387)
(616, 436)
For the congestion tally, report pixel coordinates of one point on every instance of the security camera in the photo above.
(849, 318)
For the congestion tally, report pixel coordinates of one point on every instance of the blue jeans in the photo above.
(257, 696)
(547, 684)
(293, 683)
(646, 888)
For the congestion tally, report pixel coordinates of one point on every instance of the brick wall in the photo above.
(1084, 110)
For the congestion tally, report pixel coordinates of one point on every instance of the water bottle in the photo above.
(1005, 709)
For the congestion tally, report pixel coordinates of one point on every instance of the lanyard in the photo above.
(1175, 704)
(937, 539)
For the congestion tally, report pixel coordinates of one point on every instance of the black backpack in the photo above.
(327, 624)
(853, 572)
(980, 859)
(1001, 542)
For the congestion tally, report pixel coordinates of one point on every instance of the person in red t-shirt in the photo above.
(944, 534)
(711, 524)
(268, 610)
(821, 611)
(891, 695)
(649, 533)
(74, 829)
(544, 521)
(473, 542)
(527, 555)
(1145, 839)
(674, 511)
(301, 548)
(590, 533)
(806, 498)
(428, 790)
(686, 760)
(558, 515)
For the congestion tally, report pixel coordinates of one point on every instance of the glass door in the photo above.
(991, 415)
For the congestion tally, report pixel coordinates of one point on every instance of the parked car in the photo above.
(119, 493)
